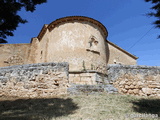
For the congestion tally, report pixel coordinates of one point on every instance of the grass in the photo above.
(80, 107)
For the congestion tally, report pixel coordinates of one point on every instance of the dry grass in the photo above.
(80, 107)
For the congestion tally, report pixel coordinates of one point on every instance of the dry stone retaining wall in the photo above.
(137, 80)
(34, 80)
(52, 79)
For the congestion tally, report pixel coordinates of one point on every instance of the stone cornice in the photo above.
(42, 32)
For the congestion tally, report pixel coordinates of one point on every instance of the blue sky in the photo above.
(125, 20)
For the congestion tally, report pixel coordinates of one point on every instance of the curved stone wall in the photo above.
(81, 44)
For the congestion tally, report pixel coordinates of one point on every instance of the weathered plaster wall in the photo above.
(13, 54)
(34, 80)
(136, 80)
(34, 51)
(43, 51)
(116, 56)
(39, 49)
(80, 44)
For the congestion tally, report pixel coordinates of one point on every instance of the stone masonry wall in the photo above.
(34, 80)
(89, 82)
(84, 77)
(136, 80)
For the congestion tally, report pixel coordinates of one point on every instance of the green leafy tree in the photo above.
(156, 13)
(9, 19)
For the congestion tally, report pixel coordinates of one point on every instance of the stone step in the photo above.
(91, 89)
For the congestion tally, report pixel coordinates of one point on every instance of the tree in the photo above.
(156, 8)
(9, 19)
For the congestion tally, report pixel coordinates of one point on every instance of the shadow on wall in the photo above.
(107, 52)
(147, 106)
(36, 109)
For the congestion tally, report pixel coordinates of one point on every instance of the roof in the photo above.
(133, 56)
(53, 24)
(42, 32)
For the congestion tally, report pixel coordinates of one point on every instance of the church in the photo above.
(78, 40)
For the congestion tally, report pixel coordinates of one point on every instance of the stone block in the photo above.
(87, 74)
(136, 91)
(134, 83)
(71, 75)
(153, 86)
(131, 86)
(147, 91)
(20, 84)
(140, 83)
(158, 86)
(10, 85)
(126, 86)
(130, 91)
(76, 79)
(129, 83)
(124, 90)
(121, 82)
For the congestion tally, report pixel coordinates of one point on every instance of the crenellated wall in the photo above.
(34, 80)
